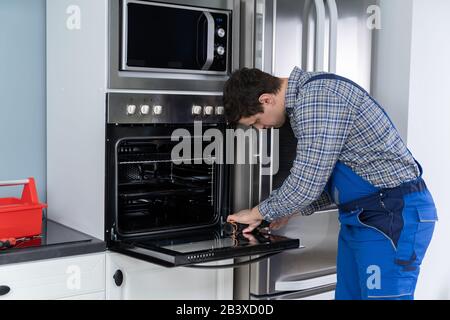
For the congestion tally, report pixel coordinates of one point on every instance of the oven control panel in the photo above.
(141, 108)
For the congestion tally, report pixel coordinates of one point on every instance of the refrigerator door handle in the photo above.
(305, 284)
(265, 37)
(274, 35)
(334, 17)
(319, 36)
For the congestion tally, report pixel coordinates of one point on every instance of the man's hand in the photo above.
(251, 217)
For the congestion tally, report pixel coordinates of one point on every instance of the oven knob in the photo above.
(197, 110)
(145, 109)
(131, 109)
(209, 111)
(220, 50)
(221, 32)
(157, 110)
(220, 111)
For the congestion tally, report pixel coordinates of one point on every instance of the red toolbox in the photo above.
(21, 218)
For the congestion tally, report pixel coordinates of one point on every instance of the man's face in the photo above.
(274, 116)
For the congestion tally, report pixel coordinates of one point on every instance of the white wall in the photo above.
(22, 94)
(411, 78)
(392, 61)
(429, 131)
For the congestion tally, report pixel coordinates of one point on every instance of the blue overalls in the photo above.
(384, 232)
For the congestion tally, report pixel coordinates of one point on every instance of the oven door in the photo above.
(173, 214)
(187, 249)
(161, 37)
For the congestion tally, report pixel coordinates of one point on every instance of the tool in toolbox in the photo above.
(19, 243)
(20, 219)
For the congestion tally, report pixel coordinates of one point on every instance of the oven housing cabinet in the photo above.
(183, 73)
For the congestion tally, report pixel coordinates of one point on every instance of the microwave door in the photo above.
(170, 38)
(205, 41)
(203, 246)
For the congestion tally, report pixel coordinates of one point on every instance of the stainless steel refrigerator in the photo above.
(276, 36)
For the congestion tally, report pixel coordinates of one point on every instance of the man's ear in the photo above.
(266, 98)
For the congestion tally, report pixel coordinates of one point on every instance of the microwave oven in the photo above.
(163, 37)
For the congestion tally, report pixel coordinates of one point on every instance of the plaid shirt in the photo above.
(334, 121)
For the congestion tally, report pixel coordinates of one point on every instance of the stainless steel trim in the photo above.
(163, 75)
(320, 293)
(14, 182)
(124, 34)
(210, 43)
(187, 93)
(265, 35)
(272, 146)
(259, 28)
(306, 35)
(247, 37)
(176, 108)
(174, 71)
(319, 36)
(178, 6)
(334, 17)
(167, 161)
(274, 36)
(305, 284)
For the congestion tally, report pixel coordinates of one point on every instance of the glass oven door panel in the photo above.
(203, 246)
(155, 194)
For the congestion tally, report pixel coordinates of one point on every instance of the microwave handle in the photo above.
(233, 265)
(210, 41)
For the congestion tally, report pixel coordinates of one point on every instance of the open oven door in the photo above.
(190, 249)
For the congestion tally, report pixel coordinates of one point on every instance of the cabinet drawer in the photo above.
(54, 279)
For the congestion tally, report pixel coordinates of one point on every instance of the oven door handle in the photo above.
(233, 265)
(210, 40)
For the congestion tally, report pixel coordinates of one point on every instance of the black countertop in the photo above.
(57, 241)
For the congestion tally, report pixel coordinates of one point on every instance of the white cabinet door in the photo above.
(54, 278)
(143, 280)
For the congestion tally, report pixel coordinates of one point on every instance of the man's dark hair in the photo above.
(242, 91)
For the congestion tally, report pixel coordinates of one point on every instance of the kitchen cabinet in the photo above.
(91, 277)
(78, 277)
(129, 278)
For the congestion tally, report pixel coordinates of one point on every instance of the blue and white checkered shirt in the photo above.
(334, 120)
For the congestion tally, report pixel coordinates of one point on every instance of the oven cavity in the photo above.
(156, 193)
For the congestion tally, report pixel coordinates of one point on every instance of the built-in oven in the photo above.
(158, 45)
(168, 181)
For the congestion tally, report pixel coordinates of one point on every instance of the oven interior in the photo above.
(156, 193)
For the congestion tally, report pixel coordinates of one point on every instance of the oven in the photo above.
(158, 45)
(168, 184)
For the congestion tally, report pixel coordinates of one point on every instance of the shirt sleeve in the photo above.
(323, 123)
(321, 203)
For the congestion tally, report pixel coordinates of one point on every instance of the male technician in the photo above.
(348, 153)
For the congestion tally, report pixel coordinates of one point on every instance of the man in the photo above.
(349, 153)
